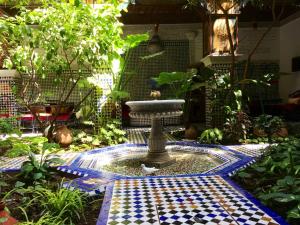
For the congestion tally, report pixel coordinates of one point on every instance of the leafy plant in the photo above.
(211, 136)
(37, 170)
(43, 205)
(268, 123)
(74, 38)
(111, 134)
(46, 219)
(16, 147)
(8, 126)
(183, 83)
(3, 183)
(237, 125)
(62, 203)
(276, 178)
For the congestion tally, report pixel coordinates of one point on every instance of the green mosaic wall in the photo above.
(215, 116)
(175, 58)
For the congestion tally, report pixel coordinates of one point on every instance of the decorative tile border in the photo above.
(14, 164)
(95, 181)
(254, 150)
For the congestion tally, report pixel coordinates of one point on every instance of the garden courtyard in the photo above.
(125, 112)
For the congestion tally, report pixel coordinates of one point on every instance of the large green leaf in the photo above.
(173, 77)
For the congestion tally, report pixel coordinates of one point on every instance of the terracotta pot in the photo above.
(38, 108)
(64, 109)
(283, 132)
(63, 136)
(259, 132)
(10, 220)
(191, 133)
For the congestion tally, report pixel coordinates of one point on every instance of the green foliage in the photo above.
(18, 149)
(268, 123)
(265, 140)
(276, 178)
(111, 134)
(8, 126)
(43, 205)
(45, 219)
(211, 136)
(22, 146)
(68, 205)
(37, 170)
(183, 82)
(3, 183)
(64, 38)
(86, 139)
(237, 125)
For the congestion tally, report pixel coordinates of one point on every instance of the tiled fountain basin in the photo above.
(189, 160)
(91, 165)
(125, 160)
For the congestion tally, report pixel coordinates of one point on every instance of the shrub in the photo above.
(66, 204)
(237, 125)
(22, 146)
(111, 134)
(7, 126)
(41, 205)
(268, 123)
(211, 136)
(36, 170)
(276, 179)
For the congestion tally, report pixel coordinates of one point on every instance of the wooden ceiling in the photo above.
(174, 11)
(162, 14)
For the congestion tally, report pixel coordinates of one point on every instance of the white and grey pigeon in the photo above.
(148, 170)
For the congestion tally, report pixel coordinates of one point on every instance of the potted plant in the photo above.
(268, 125)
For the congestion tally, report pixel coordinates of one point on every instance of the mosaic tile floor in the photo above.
(254, 150)
(206, 198)
(14, 164)
(181, 200)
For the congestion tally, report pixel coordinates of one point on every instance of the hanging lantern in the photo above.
(219, 40)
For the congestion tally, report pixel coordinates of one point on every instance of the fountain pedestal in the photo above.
(157, 155)
(155, 110)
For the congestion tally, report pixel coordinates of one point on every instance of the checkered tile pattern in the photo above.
(254, 150)
(182, 213)
(182, 200)
(11, 163)
(7, 164)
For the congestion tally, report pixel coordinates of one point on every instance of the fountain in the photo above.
(155, 110)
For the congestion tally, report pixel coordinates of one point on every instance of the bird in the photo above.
(155, 94)
(148, 170)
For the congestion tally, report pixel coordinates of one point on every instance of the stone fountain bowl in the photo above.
(156, 106)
